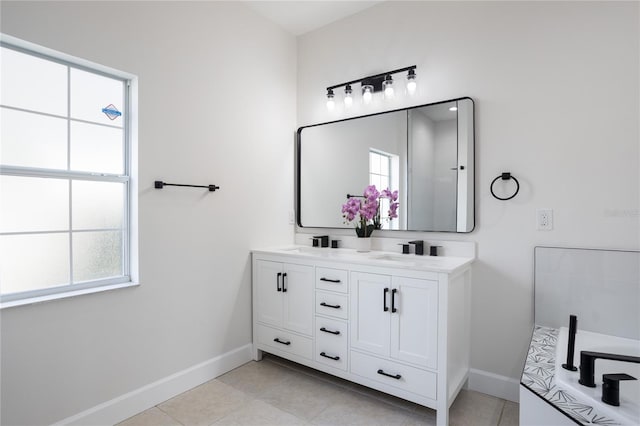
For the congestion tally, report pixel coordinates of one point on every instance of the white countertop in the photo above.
(446, 264)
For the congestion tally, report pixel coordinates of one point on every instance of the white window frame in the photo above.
(128, 178)
(392, 178)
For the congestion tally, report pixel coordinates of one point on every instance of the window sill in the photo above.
(65, 295)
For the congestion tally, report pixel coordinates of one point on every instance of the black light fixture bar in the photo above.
(375, 80)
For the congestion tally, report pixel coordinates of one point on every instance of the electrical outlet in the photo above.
(292, 217)
(544, 219)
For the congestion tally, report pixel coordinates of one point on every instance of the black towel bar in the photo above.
(160, 184)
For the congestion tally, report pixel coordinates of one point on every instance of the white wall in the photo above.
(217, 105)
(556, 93)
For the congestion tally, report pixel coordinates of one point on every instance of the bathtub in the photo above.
(628, 413)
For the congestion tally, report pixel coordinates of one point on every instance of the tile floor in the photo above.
(278, 392)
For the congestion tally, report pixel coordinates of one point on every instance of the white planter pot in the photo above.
(363, 245)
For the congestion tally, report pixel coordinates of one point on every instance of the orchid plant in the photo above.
(365, 210)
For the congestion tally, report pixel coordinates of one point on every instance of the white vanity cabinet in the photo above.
(401, 328)
(283, 306)
(395, 317)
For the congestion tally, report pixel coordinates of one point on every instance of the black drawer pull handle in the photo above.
(397, 376)
(384, 299)
(281, 341)
(393, 300)
(329, 331)
(278, 281)
(335, 358)
(284, 277)
(330, 306)
(329, 280)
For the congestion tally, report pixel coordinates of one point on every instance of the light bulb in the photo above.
(387, 85)
(453, 108)
(330, 100)
(412, 84)
(367, 93)
(348, 98)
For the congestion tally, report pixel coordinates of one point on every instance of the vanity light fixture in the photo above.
(387, 85)
(367, 93)
(372, 84)
(330, 101)
(453, 108)
(412, 84)
(348, 98)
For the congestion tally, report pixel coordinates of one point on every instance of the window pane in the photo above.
(97, 205)
(374, 163)
(97, 255)
(374, 180)
(96, 148)
(31, 262)
(33, 140)
(33, 204)
(32, 83)
(90, 93)
(384, 183)
(384, 165)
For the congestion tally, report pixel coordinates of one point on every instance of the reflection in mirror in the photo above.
(425, 152)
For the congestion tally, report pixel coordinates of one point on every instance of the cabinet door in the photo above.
(298, 298)
(414, 325)
(268, 299)
(370, 323)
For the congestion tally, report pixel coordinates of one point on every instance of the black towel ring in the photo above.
(505, 176)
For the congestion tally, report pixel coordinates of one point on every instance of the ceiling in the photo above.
(299, 17)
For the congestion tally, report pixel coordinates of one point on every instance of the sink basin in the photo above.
(394, 258)
(302, 250)
(418, 260)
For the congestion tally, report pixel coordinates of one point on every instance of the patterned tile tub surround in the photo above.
(539, 377)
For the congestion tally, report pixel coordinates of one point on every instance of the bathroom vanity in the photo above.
(396, 323)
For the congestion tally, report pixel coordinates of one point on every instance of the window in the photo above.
(65, 174)
(384, 173)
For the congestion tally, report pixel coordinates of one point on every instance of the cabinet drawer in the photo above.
(332, 279)
(286, 342)
(411, 379)
(331, 342)
(332, 304)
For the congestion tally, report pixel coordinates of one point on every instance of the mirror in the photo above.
(425, 152)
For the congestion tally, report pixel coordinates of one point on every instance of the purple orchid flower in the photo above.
(393, 210)
(371, 193)
(386, 193)
(366, 210)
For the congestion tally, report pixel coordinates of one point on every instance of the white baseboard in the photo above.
(131, 403)
(494, 384)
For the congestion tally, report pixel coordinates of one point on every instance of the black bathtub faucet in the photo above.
(611, 387)
(588, 360)
(571, 343)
